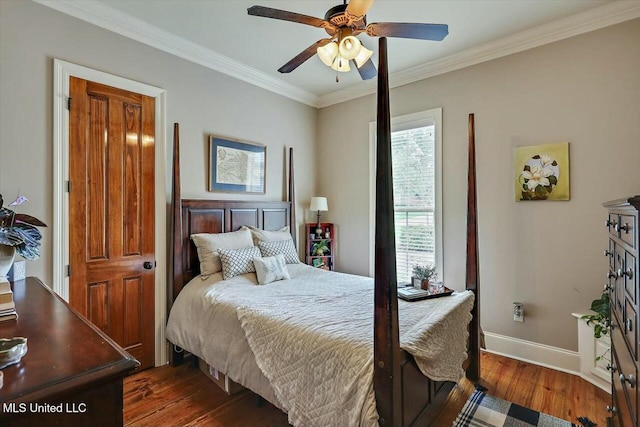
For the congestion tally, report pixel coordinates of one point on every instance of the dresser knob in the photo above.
(607, 253)
(611, 368)
(607, 287)
(629, 378)
(611, 409)
(611, 275)
(629, 325)
(608, 222)
(629, 273)
(626, 227)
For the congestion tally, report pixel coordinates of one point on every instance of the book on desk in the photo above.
(7, 305)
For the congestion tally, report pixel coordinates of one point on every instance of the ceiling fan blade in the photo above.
(284, 15)
(368, 70)
(300, 58)
(359, 7)
(406, 30)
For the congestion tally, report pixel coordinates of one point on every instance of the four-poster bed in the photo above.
(403, 395)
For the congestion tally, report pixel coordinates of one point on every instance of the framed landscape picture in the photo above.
(542, 172)
(235, 166)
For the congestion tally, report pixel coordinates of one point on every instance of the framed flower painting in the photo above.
(542, 172)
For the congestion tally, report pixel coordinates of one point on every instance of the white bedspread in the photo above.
(312, 338)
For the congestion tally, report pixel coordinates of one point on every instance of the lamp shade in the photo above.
(363, 56)
(341, 64)
(349, 47)
(328, 53)
(318, 204)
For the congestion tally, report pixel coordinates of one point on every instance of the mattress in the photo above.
(306, 344)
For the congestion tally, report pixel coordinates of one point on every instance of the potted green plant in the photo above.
(18, 234)
(320, 247)
(423, 273)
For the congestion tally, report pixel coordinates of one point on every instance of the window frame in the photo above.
(410, 121)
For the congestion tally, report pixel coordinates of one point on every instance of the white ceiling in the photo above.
(262, 45)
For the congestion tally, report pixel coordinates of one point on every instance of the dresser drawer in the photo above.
(628, 274)
(627, 230)
(621, 416)
(610, 253)
(611, 222)
(625, 381)
(629, 328)
(617, 300)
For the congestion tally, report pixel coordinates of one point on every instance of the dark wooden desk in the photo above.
(72, 372)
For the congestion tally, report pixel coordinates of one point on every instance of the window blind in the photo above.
(413, 162)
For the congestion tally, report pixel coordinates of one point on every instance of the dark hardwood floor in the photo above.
(184, 396)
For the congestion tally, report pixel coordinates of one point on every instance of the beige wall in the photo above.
(584, 90)
(201, 100)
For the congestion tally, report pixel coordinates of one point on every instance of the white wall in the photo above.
(203, 102)
(584, 90)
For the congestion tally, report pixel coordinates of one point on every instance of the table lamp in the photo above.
(318, 204)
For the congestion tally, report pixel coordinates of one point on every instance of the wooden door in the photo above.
(111, 205)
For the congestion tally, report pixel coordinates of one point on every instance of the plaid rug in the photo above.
(482, 410)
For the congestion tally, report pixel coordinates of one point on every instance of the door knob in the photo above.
(148, 265)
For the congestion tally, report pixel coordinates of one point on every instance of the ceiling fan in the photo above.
(343, 23)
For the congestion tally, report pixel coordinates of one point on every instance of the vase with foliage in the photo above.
(320, 247)
(539, 177)
(424, 273)
(19, 234)
(601, 318)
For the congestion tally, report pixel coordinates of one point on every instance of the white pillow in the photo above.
(284, 247)
(208, 245)
(238, 261)
(259, 235)
(270, 269)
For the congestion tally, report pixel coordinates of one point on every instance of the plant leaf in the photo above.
(28, 219)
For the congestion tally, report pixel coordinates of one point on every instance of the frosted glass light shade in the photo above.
(319, 204)
(328, 53)
(363, 56)
(341, 64)
(349, 47)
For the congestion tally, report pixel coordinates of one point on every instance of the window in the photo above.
(416, 147)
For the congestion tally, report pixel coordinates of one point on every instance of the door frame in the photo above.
(62, 71)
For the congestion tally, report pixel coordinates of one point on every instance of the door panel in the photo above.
(111, 169)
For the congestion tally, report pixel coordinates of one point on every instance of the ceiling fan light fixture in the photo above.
(349, 47)
(341, 64)
(363, 56)
(328, 53)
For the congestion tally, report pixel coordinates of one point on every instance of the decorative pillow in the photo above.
(259, 235)
(208, 245)
(238, 261)
(270, 269)
(284, 247)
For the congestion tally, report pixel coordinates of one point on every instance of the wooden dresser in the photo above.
(72, 372)
(623, 255)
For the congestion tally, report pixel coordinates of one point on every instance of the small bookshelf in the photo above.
(320, 250)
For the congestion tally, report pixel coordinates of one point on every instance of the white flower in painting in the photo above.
(538, 175)
(546, 160)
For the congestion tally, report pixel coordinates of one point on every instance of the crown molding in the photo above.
(590, 20)
(125, 25)
(108, 18)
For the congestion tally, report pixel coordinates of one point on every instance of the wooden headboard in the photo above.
(221, 216)
(191, 216)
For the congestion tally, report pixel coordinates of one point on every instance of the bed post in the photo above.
(292, 199)
(386, 341)
(472, 279)
(176, 208)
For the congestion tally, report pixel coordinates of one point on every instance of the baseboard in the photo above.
(539, 354)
